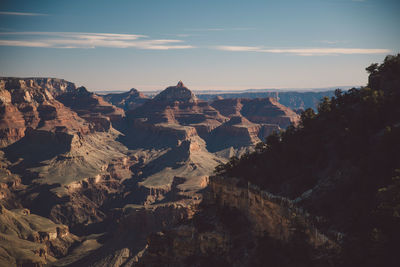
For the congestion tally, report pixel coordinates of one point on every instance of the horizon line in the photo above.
(158, 88)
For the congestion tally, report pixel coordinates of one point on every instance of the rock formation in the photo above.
(28, 239)
(69, 156)
(84, 184)
(128, 100)
(292, 99)
(92, 108)
(235, 224)
(238, 132)
(258, 110)
(31, 104)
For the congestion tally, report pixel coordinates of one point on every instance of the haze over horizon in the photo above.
(222, 45)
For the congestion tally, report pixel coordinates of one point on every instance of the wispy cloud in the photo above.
(88, 40)
(205, 30)
(304, 51)
(239, 48)
(331, 42)
(218, 29)
(8, 13)
(23, 43)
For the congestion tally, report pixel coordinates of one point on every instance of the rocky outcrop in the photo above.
(228, 107)
(295, 100)
(238, 132)
(267, 129)
(128, 100)
(128, 241)
(251, 120)
(52, 149)
(235, 225)
(92, 108)
(156, 135)
(31, 103)
(178, 93)
(258, 110)
(70, 186)
(269, 110)
(186, 246)
(31, 240)
(12, 125)
(269, 214)
(177, 105)
(52, 86)
(9, 184)
(46, 104)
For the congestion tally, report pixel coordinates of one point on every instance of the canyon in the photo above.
(173, 180)
(87, 182)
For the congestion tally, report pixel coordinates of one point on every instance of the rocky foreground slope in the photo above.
(82, 183)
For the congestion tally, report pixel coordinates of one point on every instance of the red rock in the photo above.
(258, 110)
(30, 103)
(92, 107)
(177, 105)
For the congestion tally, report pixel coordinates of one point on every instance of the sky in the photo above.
(208, 44)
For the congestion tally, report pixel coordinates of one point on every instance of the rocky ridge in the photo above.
(258, 110)
(128, 100)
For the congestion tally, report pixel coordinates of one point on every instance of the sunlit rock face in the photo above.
(178, 93)
(31, 103)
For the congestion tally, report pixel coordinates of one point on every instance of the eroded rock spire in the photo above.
(180, 84)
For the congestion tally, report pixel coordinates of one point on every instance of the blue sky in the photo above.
(218, 44)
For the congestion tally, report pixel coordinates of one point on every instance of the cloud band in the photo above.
(7, 13)
(88, 40)
(304, 51)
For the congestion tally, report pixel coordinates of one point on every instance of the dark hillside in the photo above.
(343, 164)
